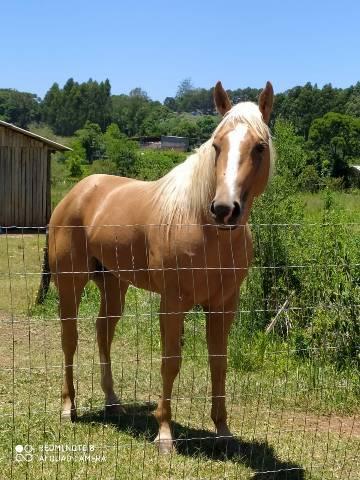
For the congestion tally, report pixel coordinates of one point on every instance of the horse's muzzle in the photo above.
(225, 214)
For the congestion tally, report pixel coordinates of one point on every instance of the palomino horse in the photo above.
(184, 237)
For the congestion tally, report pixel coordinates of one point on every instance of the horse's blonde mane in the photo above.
(183, 195)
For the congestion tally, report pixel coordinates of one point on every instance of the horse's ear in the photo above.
(266, 100)
(221, 99)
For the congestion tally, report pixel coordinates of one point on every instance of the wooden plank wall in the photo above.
(24, 180)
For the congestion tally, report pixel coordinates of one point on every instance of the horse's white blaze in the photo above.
(235, 137)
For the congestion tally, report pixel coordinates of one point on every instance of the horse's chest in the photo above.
(195, 272)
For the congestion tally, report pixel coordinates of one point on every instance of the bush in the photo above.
(290, 150)
(153, 164)
(119, 151)
(74, 167)
(334, 184)
(103, 166)
(309, 179)
(312, 267)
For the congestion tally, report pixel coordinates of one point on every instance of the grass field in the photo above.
(294, 419)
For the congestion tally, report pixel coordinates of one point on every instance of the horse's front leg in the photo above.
(218, 323)
(171, 327)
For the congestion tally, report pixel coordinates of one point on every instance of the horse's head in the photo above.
(243, 155)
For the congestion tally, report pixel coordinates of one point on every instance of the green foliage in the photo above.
(105, 166)
(74, 166)
(153, 164)
(301, 105)
(206, 124)
(352, 106)
(329, 298)
(309, 179)
(311, 268)
(136, 114)
(196, 128)
(119, 150)
(290, 151)
(154, 121)
(68, 109)
(334, 140)
(19, 108)
(244, 95)
(90, 140)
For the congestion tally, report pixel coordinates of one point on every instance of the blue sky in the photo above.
(156, 44)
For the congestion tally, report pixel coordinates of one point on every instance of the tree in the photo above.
(170, 103)
(290, 150)
(152, 122)
(119, 150)
(244, 95)
(90, 139)
(334, 140)
(138, 92)
(66, 110)
(352, 106)
(206, 125)
(19, 108)
(185, 86)
(301, 105)
(129, 112)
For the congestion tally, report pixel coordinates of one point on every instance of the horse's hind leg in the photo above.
(112, 303)
(70, 288)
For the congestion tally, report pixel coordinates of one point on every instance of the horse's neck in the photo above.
(183, 195)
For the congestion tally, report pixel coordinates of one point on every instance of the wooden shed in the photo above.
(25, 187)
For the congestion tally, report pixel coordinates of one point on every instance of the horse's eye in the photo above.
(260, 147)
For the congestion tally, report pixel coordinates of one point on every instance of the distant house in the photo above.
(355, 175)
(150, 142)
(175, 143)
(165, 142)
(25, 187)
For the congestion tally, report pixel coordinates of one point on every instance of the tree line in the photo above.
(323, 123)
(67, 109)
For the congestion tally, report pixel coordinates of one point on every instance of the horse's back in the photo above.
(79, 204)
(68, 246)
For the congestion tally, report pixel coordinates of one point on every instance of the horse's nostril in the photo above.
(237, 209)
(220, 210)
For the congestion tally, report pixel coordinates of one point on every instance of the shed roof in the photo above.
(53, 145)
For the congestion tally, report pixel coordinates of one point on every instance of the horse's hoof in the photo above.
(164, 445)
(68, 415)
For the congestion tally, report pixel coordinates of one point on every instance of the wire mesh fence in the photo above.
(292, 388)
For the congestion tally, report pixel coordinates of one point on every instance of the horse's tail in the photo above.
(45, 275)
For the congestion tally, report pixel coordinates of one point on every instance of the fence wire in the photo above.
(292, 388)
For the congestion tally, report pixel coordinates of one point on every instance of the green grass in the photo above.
(287, 413)
(21, 257)
(348, 202)
(297, 416)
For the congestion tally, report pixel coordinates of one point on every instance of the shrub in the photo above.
(153, 164)
(74, 167)
(333, 183)
(104, 166)
(309, 179)
(290, 150)
(312, 267)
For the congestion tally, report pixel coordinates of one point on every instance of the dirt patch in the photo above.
(25, 342)
(345, 426)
